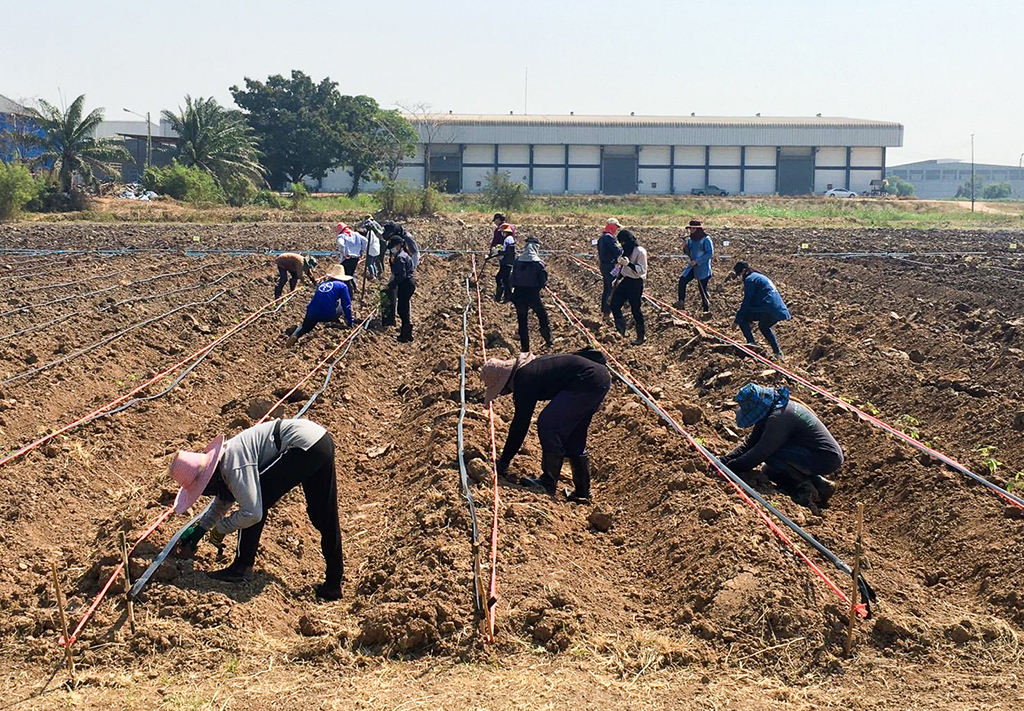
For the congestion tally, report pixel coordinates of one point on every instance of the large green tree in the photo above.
(69, 144)
(375, 141)
(216, 140)
(300, 125)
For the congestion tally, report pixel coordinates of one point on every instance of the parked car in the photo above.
(840, 193)
(709, 190)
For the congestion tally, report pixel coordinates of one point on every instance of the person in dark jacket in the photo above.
(393, 229)
(762, 303)
(499, 236)
(795, 448)
(608, 253)
(529, 277)
(291, 265)
(700, 250)
(402, 285)
(630, 271)
(331, 301)
(576, 385)
(251, 472)
(506, 259)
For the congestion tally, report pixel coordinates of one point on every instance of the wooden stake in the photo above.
(63, 623)
(123, 544)
(858, 550)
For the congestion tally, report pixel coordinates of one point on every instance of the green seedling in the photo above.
(1016, 483)
(990, 462)
(911, 426)
(870, 407)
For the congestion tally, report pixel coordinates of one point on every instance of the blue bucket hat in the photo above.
(756, 403)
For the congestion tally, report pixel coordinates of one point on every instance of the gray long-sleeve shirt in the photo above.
(244, 457)
(793, 424)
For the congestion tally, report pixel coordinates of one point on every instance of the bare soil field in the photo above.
(686, 601)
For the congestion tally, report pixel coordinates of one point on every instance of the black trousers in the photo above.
(313, 470)
(702, 284)
(503, 281)
(404, 293)
(282, 277)
(349, 265)
(606, 275)
(526, 298)
(631, 290)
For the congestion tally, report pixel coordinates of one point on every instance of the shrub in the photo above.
(398, 198)
(898, 186)
(17, 189)
(183, 183)
(239, 190)
(432, 198)
(299, 193)
(503, 193)
(268, 198)
(996, 192)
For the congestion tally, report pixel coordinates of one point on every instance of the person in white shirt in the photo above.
(632, 266)
(351, 246)
(374, 264)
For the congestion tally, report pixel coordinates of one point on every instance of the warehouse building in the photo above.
(651, 155)
(942, 178)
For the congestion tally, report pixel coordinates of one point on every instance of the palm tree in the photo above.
(216, 140)
(69, 144)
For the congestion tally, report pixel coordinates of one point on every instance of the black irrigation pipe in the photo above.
(855, 255)
(867, 593)
(70, 283)
(104, 290)
(330, 373)
(108, 307)
(463, 474)
(112, 337)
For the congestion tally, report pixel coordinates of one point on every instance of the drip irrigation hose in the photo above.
(112, 337)
(108, 307)
(253, 316)
(745, 492)
(836, 400)
(492, 595)
(461, 441)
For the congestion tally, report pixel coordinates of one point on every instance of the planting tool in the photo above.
(122, 544)
(158, 561)
(70, 660)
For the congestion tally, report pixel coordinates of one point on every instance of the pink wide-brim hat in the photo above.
(342, 227)
(497, 372)
(193, 471)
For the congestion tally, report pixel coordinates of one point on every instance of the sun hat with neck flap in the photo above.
(497, 372)
(754, 403)
(193, 470)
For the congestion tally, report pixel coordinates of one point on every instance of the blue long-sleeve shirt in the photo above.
(324, 304)
(761, 300)
(608, 249)
(700, 251)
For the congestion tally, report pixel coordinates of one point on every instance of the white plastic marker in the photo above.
(1013, 245)
(594, 242)
(805, 246)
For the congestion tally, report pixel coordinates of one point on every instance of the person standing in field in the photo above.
(629, 286)
(251, 472)
(700, 250)
(499, 236)
(529, 277)
(608, 253)
(331, 302)
(374, 254)
(292, 265)
(402, 285)
(351, 246)
(393, 229)
(762, 303)
(506, 260)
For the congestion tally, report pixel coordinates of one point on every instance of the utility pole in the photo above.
(972, 173)
(149, 136)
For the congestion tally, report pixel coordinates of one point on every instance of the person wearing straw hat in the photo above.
(576, 385)
(331, 302)
(290, 264)
(608, 253)
(252, 471)
(762, 303)
(699, 248)
(793, 447)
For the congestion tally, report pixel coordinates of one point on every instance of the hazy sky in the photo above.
(943, 68)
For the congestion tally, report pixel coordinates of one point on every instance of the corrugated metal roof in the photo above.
(653, 121)
(7, 106)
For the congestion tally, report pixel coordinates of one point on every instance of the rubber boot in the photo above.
(825, 488)
(580, 494)
(234, 573)
(551, 465)
(328, 592)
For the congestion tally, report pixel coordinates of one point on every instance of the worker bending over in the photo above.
(793, 446)
(629, 286)
(251, 472)
(392, 230)
(700, 250)
(529, 277)
(292, 265)
(576, 385)
(331, 302)
(762, 303)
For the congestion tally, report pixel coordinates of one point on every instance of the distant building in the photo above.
(133, 133)
(16, 123)
(651, 155)
(941, 178)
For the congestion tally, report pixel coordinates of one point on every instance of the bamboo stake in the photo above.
(856, 576)
(123, 544)
(63, 623)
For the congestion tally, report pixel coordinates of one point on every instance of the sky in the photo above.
(944, 69)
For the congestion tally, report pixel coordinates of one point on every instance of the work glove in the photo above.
(189, 541)
(217, 539)
(623, 261)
